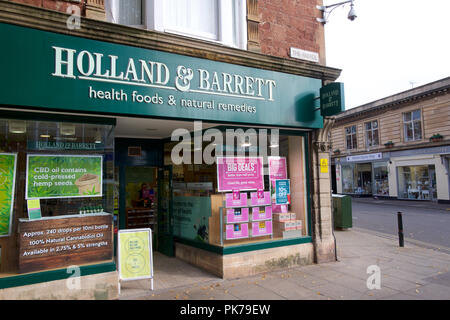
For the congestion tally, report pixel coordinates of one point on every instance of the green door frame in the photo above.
(165, 239)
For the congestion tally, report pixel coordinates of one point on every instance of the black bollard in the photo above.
(400, 229)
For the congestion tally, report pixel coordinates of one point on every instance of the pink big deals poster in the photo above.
(240, 173)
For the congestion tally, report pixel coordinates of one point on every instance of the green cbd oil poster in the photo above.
(7, 183)
(63, 176)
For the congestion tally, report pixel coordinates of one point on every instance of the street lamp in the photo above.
(325, 14)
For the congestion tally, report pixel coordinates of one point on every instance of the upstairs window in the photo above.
(350, 137)
(372, 133)
(182, 16)
(221, 21)
(412, 125)
(128, 13)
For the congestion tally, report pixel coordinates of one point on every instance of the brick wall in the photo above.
(290, 23)
(57, 5)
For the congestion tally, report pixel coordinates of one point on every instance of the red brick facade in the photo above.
(57, 5)
(290, 23)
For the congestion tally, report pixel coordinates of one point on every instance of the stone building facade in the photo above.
(395, 147)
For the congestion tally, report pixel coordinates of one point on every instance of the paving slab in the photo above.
(351, 283)
(286, 288)
(401, 296)
(398, 284)
(337, 292)
(404, 275)
(431, 291)
(254, 292)
(213, 292)
(441, 278)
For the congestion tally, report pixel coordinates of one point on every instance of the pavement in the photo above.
(413, 272)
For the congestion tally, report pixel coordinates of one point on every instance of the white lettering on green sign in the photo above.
(95, 66)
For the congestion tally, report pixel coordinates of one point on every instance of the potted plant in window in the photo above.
(436, 137)
(389, 144)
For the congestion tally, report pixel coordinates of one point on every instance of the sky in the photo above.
(392, 46)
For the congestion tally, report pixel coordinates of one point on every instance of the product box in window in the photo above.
(236, 199)
(289, 234)
(281, 216)
(260, 198)
(277, 208)
(261, 213)
(284, 225)
(298, 224)
(261, 228)
(236, 231)
(236, 215)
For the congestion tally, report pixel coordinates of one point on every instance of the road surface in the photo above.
(427, 222)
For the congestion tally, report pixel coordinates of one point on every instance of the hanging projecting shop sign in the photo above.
(332, 99)
(50, 70)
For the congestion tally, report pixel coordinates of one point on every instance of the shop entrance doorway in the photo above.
(364, 178)
(141, 203)
(144, 181)
(149, 203)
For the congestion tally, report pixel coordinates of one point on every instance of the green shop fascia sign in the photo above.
(50, 70)
(332, 99)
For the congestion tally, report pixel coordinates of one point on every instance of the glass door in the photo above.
(165, 211)
(364, 178)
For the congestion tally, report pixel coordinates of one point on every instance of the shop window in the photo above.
(56, 195)
(347, 179)
(221, 21)
(380, 174)
(412, 125)
(357, 178)
(416, 182)
(372, 133)
(213, 205)
(350, 137)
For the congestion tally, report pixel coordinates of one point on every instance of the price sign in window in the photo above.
(282, 191)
